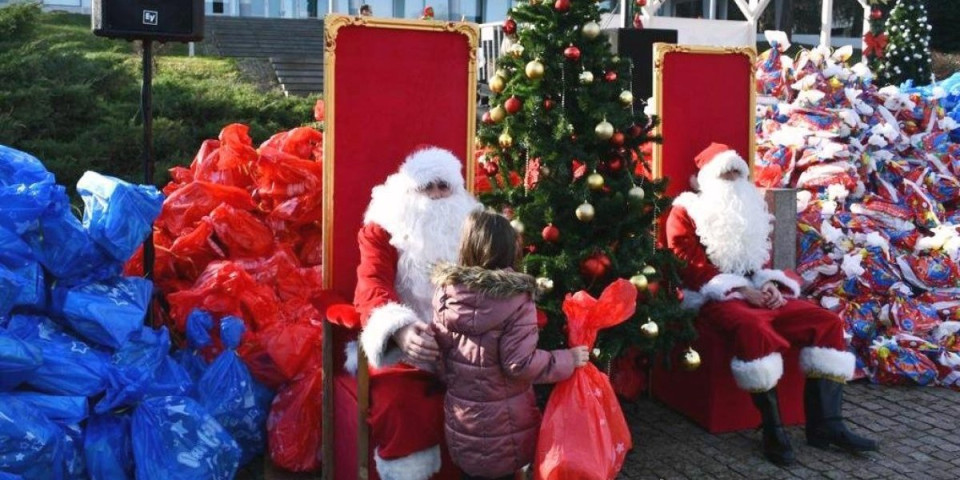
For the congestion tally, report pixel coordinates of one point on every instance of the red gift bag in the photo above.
(584, 435)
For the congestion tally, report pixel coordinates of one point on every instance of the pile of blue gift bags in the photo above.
(86, 390)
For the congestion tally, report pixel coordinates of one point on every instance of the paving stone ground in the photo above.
(918, 429)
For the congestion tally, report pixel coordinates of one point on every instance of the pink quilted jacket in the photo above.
(486, 326)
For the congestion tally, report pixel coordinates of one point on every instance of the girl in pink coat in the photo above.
(486, 326)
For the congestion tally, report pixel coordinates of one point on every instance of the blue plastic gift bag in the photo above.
(62, 409)
(18, 168)
(18, 360)
(107, 447)
(14, 252)
(106, 312)
(30, 445)
(33, 289)
(74, 465)
(174, 437)
(118, 214)
(142, 368)
(70, 366)
(199, 323)
(65, 248)
(232, 396)
(10, 287)
(9, 476)
(26, 188)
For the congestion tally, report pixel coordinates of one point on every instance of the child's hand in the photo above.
(581, 355)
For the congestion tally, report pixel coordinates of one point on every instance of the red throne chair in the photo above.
(704, 95)
(390, 86)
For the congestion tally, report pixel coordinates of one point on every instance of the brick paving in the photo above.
(917, 428)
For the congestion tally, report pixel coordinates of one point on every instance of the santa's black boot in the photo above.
(776, 443)
(823, 402)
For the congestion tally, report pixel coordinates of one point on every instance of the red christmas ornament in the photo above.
(876, 14)
(491, 168)
(653, 287)
(640, 3)
(635, 131)
(509, 26)
(548, 104)
(595, 266)
(562, 5)
(486, 118)
(550, 233)
(572, 53)
(512, 105)
(617, 139)
(541, 319)
(610, 76)
(615, 164)
(638, 21)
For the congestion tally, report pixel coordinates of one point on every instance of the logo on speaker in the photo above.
(150, 17)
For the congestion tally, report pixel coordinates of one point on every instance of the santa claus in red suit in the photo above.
(413, 222)
(722, 234)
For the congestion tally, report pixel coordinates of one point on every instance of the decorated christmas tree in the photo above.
(561, 154)
(907, 56)
(876, 39)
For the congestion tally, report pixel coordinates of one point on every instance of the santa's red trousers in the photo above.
(758, 332)
(406, 414)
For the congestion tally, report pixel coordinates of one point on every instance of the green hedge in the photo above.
(72, 99)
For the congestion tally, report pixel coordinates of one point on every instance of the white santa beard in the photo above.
(734, 225)
(425, 233)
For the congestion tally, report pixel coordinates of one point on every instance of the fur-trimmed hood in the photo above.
(473, 300)
(492, 283)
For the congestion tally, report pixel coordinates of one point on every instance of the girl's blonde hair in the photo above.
(487, 240)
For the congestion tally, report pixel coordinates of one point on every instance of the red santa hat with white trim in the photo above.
(718, 159)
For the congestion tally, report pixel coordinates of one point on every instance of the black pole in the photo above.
(146, 107)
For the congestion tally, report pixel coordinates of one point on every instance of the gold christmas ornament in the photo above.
(517, 225)
(640, 281)
(604, 130)
(506, 141)
(835, 83)
(534, 70)
(586, 77)
(544, 284)
(649, 270)
(585, 212)
(650, 329)
(690, 360)
(595, 181)
(497, 114)
(591, 30)
(636, 193)
(626, 98)
(497, 84)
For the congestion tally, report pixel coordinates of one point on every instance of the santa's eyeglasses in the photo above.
(439, 185)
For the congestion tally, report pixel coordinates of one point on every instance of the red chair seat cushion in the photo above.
(709, 395)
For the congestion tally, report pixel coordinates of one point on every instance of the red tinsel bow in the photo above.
(876, 44)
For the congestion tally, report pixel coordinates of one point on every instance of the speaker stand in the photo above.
(146, 109)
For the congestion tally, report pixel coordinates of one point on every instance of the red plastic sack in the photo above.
(584, 435)
(294, 430)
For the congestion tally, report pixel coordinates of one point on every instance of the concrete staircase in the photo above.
(294, 47)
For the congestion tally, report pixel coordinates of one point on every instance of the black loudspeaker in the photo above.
(160, 20)
(637, 45)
